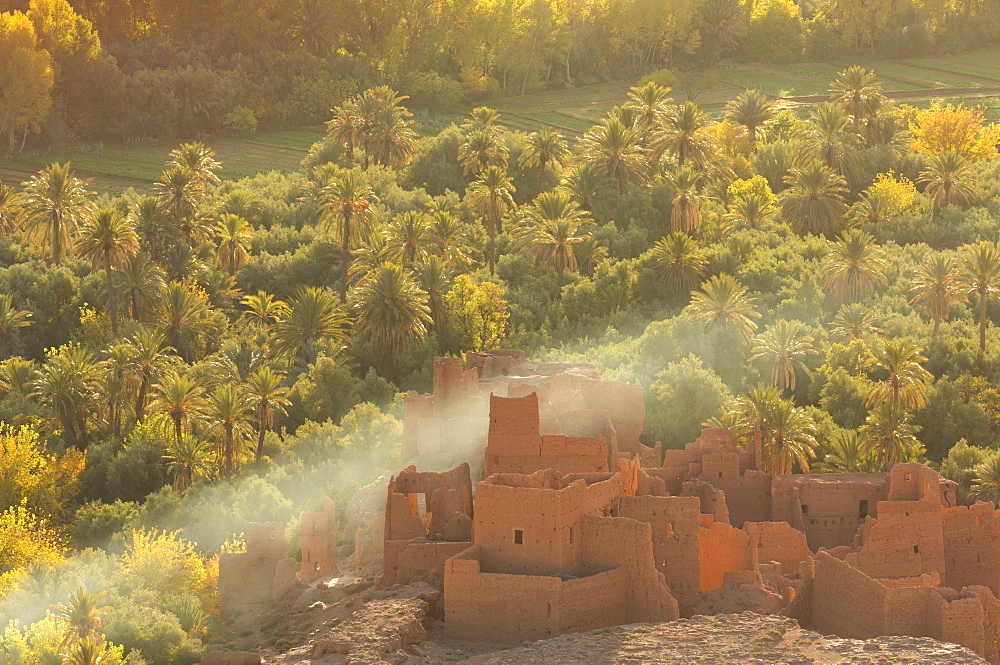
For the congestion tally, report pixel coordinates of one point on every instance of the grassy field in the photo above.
(116, 168)
(973, 77)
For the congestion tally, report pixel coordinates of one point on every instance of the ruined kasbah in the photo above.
(526, 496)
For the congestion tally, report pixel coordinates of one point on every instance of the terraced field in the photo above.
(973, 78)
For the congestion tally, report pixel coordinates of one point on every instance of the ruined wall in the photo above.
(991, 622)
(509, 609)
(971, 546)
(845, 601)
(778, 541)
(723, 548)
(318, 542)
(529, 524)
(905, 541)
(516, 444)
(406, 560)
(828, 508)
(626, 544)
(675, 522)
(262, 574)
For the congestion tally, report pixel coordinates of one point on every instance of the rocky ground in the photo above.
(347, 622)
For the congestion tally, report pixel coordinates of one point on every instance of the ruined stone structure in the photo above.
(259, 576)
(428, 518)
(318, 541)
(576, 525)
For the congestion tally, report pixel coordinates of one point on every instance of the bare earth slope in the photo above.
(727, 638)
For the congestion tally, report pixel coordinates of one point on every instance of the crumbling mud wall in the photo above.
(723, 548)
(828, 508)
(517, 445)
(318, 542)
(259, 576)
(674, 523)
(428, 518)
(971, 546)
(778, 541)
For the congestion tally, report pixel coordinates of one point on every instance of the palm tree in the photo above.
(491, 194)
(347, 202)
(434, 277)
(906, 380)
(450, 239)
(312, 26)
(936, 287)
(180, 194)
(857, 90)
(589, 252)
(234, 235)
(16, 375)
(393, 137)
(227, 413)
(188, 459)
(544, 148)
(848, 455)
(751, 208)
(66, 384)
(751, 109)
(152, 224)
(787, 433)
(10, 211)
(182, 399)
(723, 26)
(890, 434)
(109, 240)
(483, 117)
(197, 159)
(829, 139)
(723, 301)
(481, 149)
(854, 321)
(11, 318)
(148, 356)
(409, 237)
(392, 313)
(814, 200)
(264, 310)
(986, 483)
(854, 266)
(140, 282)
(551, 225)
(649, 102)
(617, 148)
(115, 386)
(268, 395)
(979, 273)
(313, 315)
(679, 262)
(685, 213)
(947, 181)
(82, 615)
(183, 315)
(90, 651)
(586, 183)
(54, 203)
(684, 136)
(784, 345)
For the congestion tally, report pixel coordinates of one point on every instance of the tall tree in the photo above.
(109, 240)
(148, 358)
(268, 395)
(859, 92)
(481, 149)
(313, 315)
(227, 414)
(854, 266)
(26, 79)
(936, 287)
(784, 345)
(679, 262)
(543, 149)
(724, 302)
(947, 181)
(814, 200)
(55, 202)
(685, 211)
(66, 384)
(10, 211)
(234, 235)
(684, 136)
(617, 148)
(979, 273)
(550, 227)
(182, 399)
(392, 314)
(183, 315)
(347, 203)
(491, 195)
(889, 432)
(409, 238)
(751, 109)
(906, 379)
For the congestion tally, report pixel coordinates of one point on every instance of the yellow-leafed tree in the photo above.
(957, 128)
(26, 78)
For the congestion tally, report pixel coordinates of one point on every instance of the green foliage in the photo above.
(685, 394)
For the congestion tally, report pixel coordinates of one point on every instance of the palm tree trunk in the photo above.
(345, 262)
(261, 417)
(982, 320)
(492, 248)
(937, 323)
(112, 305)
